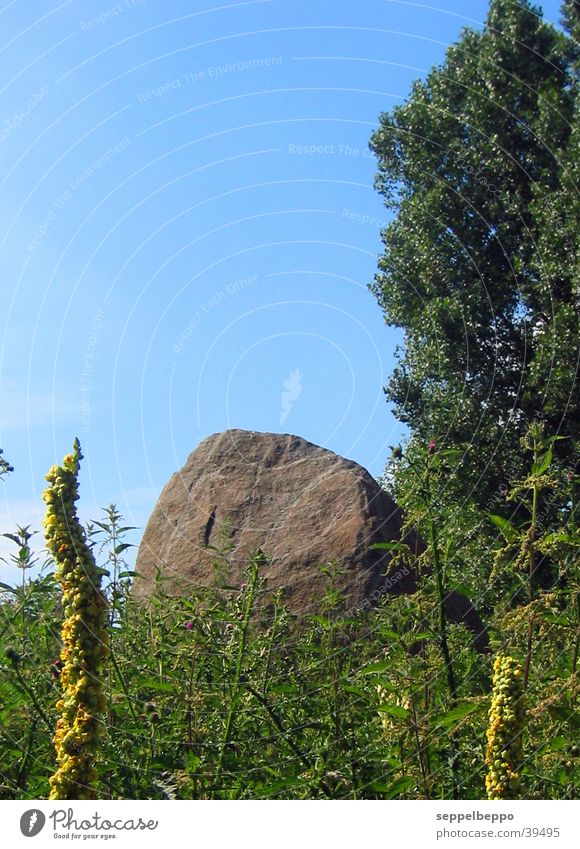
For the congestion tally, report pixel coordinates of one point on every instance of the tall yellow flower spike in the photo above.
(84, 636)
(504, 734)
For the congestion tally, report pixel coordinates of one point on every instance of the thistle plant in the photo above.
(527, 551)
(84, 635)
(24, 559)
(504, 734)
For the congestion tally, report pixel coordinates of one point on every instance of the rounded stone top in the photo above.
(301, 504)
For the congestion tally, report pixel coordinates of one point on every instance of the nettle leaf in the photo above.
(557, 744)
(462, 590)
(557, 536)
(454, 715)
(564, 714)
(159, 686)
(509, 532)
(276, 787)
(355, 690)
(321, 620)
(396, 711)
(391, 791)
(557, 619)
(192, 762)
(12, 537)
(375, 668)
(280, 689)
(540, 466)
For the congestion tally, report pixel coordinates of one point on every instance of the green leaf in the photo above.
(520, 581)
(564, 714)
(321, 620)
(540, 466)
(278, 689)
(391, 791)
(356, 690)
(446, 720)
(375, 668)
(462, 590)
(123, 547)
(556, 619)
(7, 587)
(12, 537)
(507, 529)
(556, 438)
(396, 711)
(557, 744)
(154, 684)
(389, 546)
(277, 786)
(556, 536)
(192, 762)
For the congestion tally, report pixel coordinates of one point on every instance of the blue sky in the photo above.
(188, 229)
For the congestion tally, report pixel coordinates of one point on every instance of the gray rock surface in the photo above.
(301, 504)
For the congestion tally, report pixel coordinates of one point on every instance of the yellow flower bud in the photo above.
(504, 734)
(76, 733)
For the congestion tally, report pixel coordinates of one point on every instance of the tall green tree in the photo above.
(481, 167)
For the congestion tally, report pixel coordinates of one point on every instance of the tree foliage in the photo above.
(480, 267)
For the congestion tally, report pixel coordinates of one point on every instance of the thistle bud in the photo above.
(13, 656)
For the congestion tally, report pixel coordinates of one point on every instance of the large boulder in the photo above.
(301, 504)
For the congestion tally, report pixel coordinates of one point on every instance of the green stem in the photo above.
(420, 750)
(531, 575)
(442, 617)
(122, 681)
(443, 642)
(271, 643)
(287, 737)
(30, 693)
(235, 693)
(26, 756)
